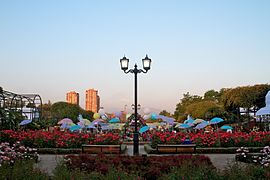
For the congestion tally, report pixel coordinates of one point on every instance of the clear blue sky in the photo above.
(52, 47)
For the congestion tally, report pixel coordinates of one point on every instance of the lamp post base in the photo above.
(135, 143)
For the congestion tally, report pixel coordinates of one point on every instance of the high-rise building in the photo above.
(92, 100)
(72, 97)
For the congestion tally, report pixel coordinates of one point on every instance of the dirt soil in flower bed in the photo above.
(148, 167)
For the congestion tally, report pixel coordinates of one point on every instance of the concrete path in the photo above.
(48, 162)
(220, 161)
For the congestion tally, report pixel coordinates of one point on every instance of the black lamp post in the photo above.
(146, 66)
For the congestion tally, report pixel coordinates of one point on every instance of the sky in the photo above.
(53, 47)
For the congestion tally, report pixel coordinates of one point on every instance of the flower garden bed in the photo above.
(262, 158)
(213, 139)
(140, 167)
(58, 139)
(17, 162)
(58, 142)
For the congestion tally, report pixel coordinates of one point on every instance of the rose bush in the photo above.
(9, 154)
(214, 139)
(59, 139)
(146, 167)
(45, 139)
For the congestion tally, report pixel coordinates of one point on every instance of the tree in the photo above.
(180, 111)
(46, 111)
(249, 98)
(165, 113)
(204, 109)
(212, 95)
(62, 110)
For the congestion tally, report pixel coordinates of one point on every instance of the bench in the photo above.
(106, 149)
(176, 148)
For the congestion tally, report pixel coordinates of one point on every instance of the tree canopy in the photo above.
(60, 110)
(228, 101)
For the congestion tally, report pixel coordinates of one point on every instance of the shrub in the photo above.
(20, 170)
(151, 167)
(17, 162)
(246, 171)
(10, 154)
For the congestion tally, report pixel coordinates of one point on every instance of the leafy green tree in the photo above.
(62, 110)
(87, 114)
(165, 113)
(250, 98)
(259, 93)
(46, 112)
(180, 111)
(212, 95)
(204, 109)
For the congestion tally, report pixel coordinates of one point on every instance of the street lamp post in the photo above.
(146, 66)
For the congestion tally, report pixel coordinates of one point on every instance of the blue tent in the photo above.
(225, 127)
(114, 120)
(184, 126)
(26, 121)
(216, 120)
(75, 127)
(202, 125)
(188, 121)
(144, 129)
(65, 126)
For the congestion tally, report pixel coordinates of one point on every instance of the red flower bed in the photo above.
(150, 167)
(45, 139)
(214, 139)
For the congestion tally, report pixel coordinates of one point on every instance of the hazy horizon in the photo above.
(53, 47)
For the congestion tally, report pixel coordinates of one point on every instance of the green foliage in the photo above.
(46, 111)
(10, 119)
(204, 109)
(21, 170)
(62, 172)
(212, 95)
(165, 113)
(60, 110)
(245, 171)
(225, 103)
(188, 99)
(245, 97)
(187, 171)
(87, 114)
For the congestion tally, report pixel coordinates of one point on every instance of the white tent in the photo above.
(265, 110)
(263, 114)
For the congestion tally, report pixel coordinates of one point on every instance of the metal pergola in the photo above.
(29, 105)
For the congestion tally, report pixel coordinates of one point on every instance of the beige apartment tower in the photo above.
(92, 101)
(72, 97)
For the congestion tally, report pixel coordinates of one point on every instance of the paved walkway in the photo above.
(48, 162)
